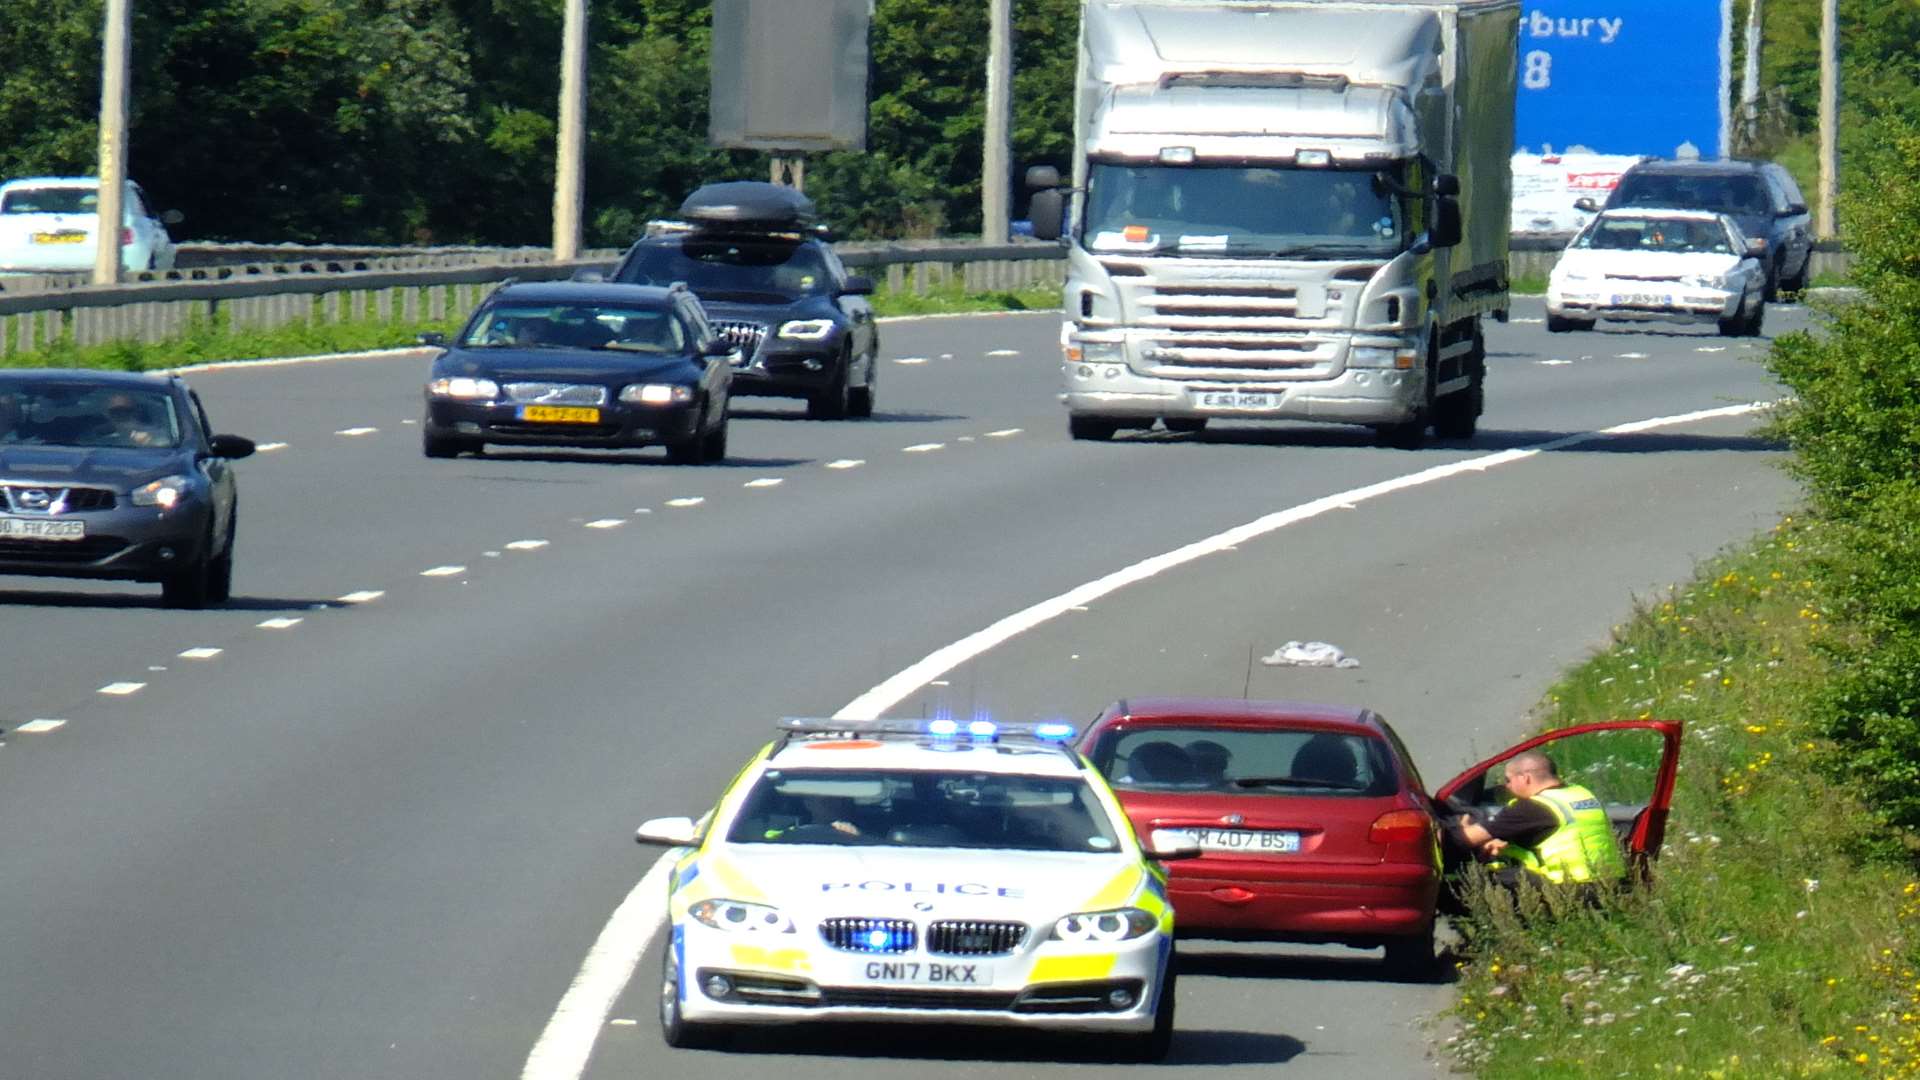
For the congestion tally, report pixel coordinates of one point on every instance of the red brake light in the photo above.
(1400, 827)
(126, 237)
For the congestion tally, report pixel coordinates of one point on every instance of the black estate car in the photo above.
(581, 364)
(1760, 196)
(116, 475)
(775, 289)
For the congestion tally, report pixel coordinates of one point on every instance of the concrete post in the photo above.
(569, 174)
(115, 58)
(995, 205)
(1827, 225)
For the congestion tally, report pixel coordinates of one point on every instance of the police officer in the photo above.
(1552, 831)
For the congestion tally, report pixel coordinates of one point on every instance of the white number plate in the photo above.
(926, 973)
(1252, 400)
(1642, 300)
(12, 528)
(1250, 840)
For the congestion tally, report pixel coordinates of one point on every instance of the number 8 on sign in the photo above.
(1539, 73)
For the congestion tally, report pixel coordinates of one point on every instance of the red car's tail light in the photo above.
(1400, 827)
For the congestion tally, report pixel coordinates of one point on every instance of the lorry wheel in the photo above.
(1411, 435)
(1457, 416)
(1088, 428)
(1186, 425)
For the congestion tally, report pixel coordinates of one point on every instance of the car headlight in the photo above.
(460, 386)
(741, 917)
(163, 493)
(1119, 924)
(656, 394)
(806, 329)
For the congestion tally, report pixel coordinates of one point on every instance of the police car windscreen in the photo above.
(854, 807)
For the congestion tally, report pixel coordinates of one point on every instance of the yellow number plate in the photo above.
(559, 414)
(59, 237)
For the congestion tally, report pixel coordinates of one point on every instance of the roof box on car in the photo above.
(751, 204)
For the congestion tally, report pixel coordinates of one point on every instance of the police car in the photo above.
(919, 871)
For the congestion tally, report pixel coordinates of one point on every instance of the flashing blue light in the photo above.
(1053, 731)
(982, 729)
(879, 939)
(943, 727)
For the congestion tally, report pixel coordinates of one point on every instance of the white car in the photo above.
(47, 226)
(1675, 266)
(914, 871)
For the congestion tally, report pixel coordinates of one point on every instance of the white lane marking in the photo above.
(1004, 433)
(156, 667)
(122, 689)
(408, 423)
(946, 356)
(282, 623)
(1004, 352)
(353, 431)
(1553, 363)
(921, 448)
(764, 482)
(526, 545)
(643, 509)
(204, 652)
(607, 523)
(690, 500)
(939, 682)
(40, 726)
(288, 361)
(847, 463)
(1711, 348)
(364, 596)
(910, 360)
(1533, 322)
(1633, 356)
(443, 571)
(489, 554)
(964, 438)
(563, 1049)
(622, 1022)
(269, 447)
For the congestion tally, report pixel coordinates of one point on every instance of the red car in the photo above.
(1314, 825)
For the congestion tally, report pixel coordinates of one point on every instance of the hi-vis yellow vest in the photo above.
(1581, 849)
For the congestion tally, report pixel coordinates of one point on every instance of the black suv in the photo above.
(774, 289)
(1760, 196)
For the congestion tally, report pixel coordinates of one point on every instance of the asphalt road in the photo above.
(376, 837)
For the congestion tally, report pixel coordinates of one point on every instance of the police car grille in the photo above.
(891, 998)
(962, 937)
(745, 336)
(855, 934)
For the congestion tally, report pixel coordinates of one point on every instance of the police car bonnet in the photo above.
(748, 202)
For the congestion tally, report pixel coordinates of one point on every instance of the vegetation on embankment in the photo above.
(1782, 935)
(211, 341)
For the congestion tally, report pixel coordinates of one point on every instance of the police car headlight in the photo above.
(806, 329)
(1117, 925)
(741, 917)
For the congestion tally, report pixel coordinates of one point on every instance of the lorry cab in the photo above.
(1291, 210)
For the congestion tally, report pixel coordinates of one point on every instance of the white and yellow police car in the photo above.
(919, 871)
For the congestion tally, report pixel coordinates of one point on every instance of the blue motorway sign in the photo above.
(1624, 77)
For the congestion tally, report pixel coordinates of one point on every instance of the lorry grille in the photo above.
(853, 934)
(966, 937)
(1235, 330)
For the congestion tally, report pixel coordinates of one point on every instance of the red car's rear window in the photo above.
(1246, 761)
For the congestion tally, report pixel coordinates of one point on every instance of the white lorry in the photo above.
(1286, 210)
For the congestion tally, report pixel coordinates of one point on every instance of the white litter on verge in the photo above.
(1309, 654)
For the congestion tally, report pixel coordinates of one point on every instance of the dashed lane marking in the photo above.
(1553, 363)
(1633, 356)
(607, 523)
(1004, 352)
(567, 1042)
(364, 596)
(910, 360)
(1004, 433)
(40, 726)
(526, 545)
(921, 448)
(764, 482)
(1528, 322)
(1711, 348)
(269, 447)
(356, 431)
(204, 652)
(443, 571)
(284, 622)
(691, 500)
(847, 463)
(122, 689)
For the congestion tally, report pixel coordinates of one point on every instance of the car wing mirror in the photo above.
(1756, 248)
(172, 217)
(1794, 209)
(434, 338)
(1585, 202)
(1048, 210)
(1041, 177)
(231, 447)
(718, 347)
(857, 285)
(1168, 845)
(668, 832)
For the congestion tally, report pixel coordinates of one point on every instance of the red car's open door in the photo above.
(1629, 764)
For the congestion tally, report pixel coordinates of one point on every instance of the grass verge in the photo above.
(1778, 940)
(212, 340)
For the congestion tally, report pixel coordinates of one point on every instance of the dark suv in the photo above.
(1760, 196)
(774, 289)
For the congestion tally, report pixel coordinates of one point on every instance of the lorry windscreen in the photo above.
(1248, 211)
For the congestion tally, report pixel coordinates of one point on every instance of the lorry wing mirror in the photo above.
(1446, 229)
(1446, 184)
(1048, 210)
(1042, 176)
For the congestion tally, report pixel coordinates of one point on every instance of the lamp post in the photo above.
(569, 175)
(115, 57)
(995, 205)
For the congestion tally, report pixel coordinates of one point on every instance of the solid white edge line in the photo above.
(567, 1042)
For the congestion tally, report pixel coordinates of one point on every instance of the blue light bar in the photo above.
(1055, 731)
(943, 727)
(982, 729)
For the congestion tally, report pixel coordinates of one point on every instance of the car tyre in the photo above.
(440, 446)
(220, 571)
(716, 443)
(860, 398)
(835, 400)
(1557, 324)
(1411, 959)
(676, 1030)
(1149, 1047)
(189, 587)
(691, 450)
(1090, 429)
(1755, 321)
(1186, 425)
